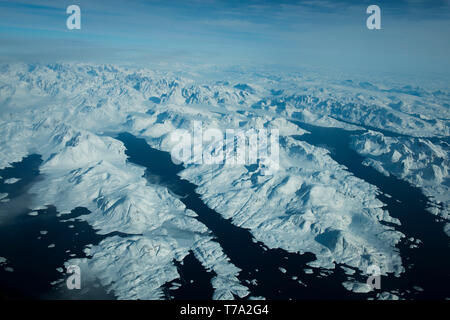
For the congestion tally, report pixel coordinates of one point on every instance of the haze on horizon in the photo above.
(325, 33)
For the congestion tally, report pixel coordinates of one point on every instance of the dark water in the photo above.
(26, 170)
(428, 266)
(195, 281)
(256, 261)
(34, 264)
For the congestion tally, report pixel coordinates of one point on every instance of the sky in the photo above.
(414, 35)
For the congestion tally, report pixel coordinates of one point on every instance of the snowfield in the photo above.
(421, 162)
(70, 113)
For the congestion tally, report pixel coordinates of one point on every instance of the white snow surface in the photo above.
(68, 112)
(11, 180)
(423, 163)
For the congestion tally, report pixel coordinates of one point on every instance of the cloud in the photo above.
(322, 32)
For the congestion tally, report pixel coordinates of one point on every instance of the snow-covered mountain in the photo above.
(68, 113)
